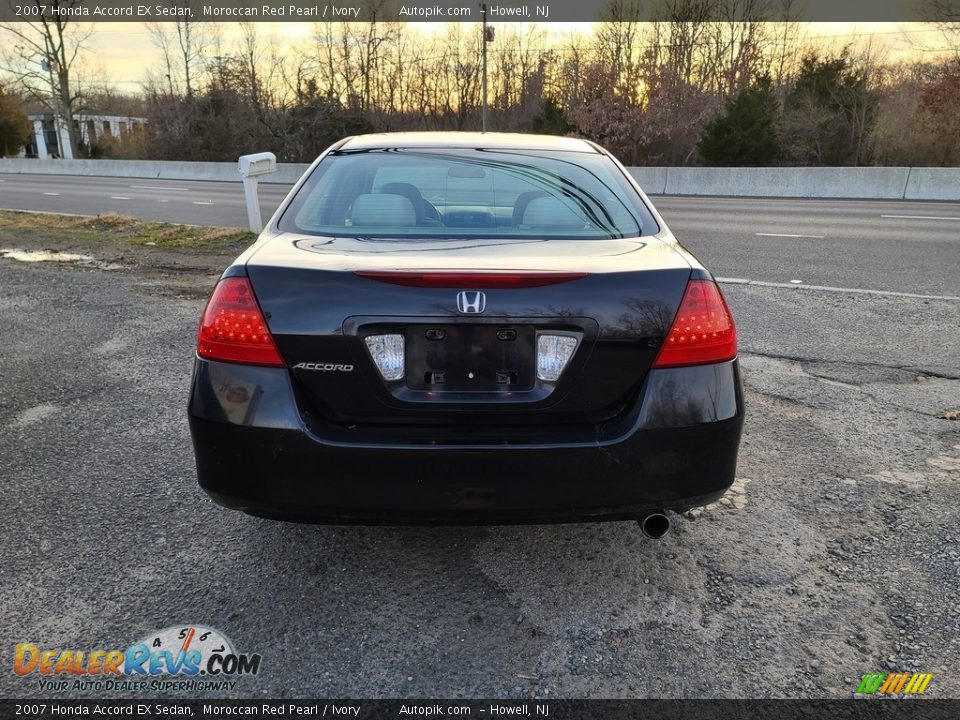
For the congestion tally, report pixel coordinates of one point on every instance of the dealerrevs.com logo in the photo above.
(187, 658)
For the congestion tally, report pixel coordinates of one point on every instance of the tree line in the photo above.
(691, 90)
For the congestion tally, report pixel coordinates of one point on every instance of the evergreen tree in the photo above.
(551, 120)
(14, 126)
(745, 132)
(830, 113)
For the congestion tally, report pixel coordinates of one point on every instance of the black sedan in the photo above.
(466, 328)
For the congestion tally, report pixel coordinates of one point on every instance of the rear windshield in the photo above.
(468, 193)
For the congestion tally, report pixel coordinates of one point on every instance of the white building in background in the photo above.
(46, 142)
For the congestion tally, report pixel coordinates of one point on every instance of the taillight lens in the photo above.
(233, 328)
(703, 330)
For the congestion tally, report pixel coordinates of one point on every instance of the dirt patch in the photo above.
(181, 260)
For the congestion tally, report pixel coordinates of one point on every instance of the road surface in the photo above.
(835, 554)
(894, 246)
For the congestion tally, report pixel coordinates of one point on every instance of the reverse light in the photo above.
(233, 329)
(553, 354)
(703, 330)
(387, 353)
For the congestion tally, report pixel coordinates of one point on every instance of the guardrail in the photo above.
(885, 183)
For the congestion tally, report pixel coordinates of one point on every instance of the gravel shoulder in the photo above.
(167, 259)
(837, 552)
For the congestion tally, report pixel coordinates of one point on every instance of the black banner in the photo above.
(854, 709)
(474, 11)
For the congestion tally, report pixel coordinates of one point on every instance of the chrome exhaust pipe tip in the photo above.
(655, 525)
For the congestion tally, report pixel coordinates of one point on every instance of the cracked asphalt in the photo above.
(836, 553)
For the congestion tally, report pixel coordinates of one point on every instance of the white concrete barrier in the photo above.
(287, 173)
(812, 182)
(220, 172)
(653, 180)
(887, 183)
(100, 168)
(933, 184)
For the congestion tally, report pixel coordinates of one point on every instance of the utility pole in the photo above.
(483, 107)
(487, 37)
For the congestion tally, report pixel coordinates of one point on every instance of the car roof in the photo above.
(489, 141)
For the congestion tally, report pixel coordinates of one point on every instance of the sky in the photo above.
(123, 53)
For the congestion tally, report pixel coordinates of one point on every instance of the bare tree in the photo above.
(945, 16)
(43, 58)
(570, 87)
(184, 45)
(687, 32)
(617, 47)
(788, 32)
(518, 75)
(645, 89)
(460, 76)
(740, 44)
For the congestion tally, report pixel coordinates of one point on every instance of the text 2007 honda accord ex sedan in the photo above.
(466, 328)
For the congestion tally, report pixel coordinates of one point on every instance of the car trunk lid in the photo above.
(324, 297)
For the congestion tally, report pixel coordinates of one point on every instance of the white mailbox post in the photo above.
(251, 167)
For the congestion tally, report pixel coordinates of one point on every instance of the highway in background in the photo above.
(884, 245)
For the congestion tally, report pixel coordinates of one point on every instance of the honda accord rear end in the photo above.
(465, 328)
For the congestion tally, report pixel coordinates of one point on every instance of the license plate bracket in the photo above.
(459, 357)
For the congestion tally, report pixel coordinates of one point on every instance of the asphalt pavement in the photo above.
(836, 553)
(195, 203)
(897, 246)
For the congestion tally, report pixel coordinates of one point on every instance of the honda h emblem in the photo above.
(471, 302)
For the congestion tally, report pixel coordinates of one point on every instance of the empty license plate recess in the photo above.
(467, 357)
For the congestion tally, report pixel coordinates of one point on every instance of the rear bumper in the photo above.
(676, 449)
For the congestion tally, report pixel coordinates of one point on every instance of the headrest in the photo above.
(383, 210)
(551, 212)
(408, 190)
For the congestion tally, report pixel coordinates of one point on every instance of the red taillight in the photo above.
(703, 330)
(470, 280)
(233, 328)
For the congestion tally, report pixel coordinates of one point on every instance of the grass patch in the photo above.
(17, 227)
